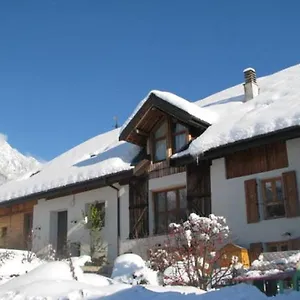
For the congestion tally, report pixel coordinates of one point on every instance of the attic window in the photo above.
(180, 136)
(160, 142)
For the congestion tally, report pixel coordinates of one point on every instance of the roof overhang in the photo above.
(74, 188)
(263, 139)
(153, 110)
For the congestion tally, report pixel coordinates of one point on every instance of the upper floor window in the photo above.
(160, 142)
(180, 136)
(273, 197)
(167, 141)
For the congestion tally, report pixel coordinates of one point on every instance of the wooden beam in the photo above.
(141, 132)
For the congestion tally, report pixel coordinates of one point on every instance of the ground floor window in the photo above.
(95, 213)
(277, 246)
(170, 206)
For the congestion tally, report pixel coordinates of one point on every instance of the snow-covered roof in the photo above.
(276, 107)
(203, 114)
(100, 156)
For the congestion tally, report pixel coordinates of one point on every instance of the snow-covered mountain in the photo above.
(13, 163)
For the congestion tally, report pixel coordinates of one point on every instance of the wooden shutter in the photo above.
(291, 194)
(251, 201)
(198, 188)
(138, 207)
(255, 250)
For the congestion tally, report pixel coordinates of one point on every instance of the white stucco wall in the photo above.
(45, 224)
(228, 199)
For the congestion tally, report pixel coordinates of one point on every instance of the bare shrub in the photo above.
(192, 252)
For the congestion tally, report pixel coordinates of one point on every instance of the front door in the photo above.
(62, 230)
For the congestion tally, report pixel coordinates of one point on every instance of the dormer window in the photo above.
(180, 136)
(168, 138)
(160, 142)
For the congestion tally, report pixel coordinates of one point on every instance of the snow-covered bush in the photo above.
(132, 269)
(191, 252)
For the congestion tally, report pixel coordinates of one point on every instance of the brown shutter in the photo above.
(255, 250)
(294, 244)
(251, 201)
(138, 207)
(291, 194)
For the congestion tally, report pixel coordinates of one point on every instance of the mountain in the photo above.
(13, 163)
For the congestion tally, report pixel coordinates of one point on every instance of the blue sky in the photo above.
(68, 67)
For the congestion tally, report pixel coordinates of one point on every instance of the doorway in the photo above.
(62, 233)
(28, 219)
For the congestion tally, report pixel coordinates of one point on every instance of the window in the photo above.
(170, 137)
(273, 197)
(160, 142)
(277, 246)
(28, 225)
(96, 214)
(27, 233)
(180, 136)
(170, 206)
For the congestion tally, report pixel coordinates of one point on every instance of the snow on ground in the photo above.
(97, 157)
(238, 292)
(276, 107)
(54, 280)
(16, 262)
(131, 268)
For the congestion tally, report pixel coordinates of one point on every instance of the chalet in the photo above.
(235, 153)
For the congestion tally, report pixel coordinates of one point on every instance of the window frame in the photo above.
(101, 204)
(155, 140)
(278, 245)
(274, 194)
(169, 137)
(166, 211)
(181, 132)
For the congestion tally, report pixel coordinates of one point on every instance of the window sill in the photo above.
(274, 218)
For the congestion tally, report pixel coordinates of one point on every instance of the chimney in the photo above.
(250, 86)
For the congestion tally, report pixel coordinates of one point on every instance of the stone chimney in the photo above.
(250, 86)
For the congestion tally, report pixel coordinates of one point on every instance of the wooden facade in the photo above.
(16, 225)
(163, 168)
(256, 160)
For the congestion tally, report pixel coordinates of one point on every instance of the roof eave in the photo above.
(73, 188)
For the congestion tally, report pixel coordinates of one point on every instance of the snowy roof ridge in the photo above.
(277, 107)
(188, 106)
